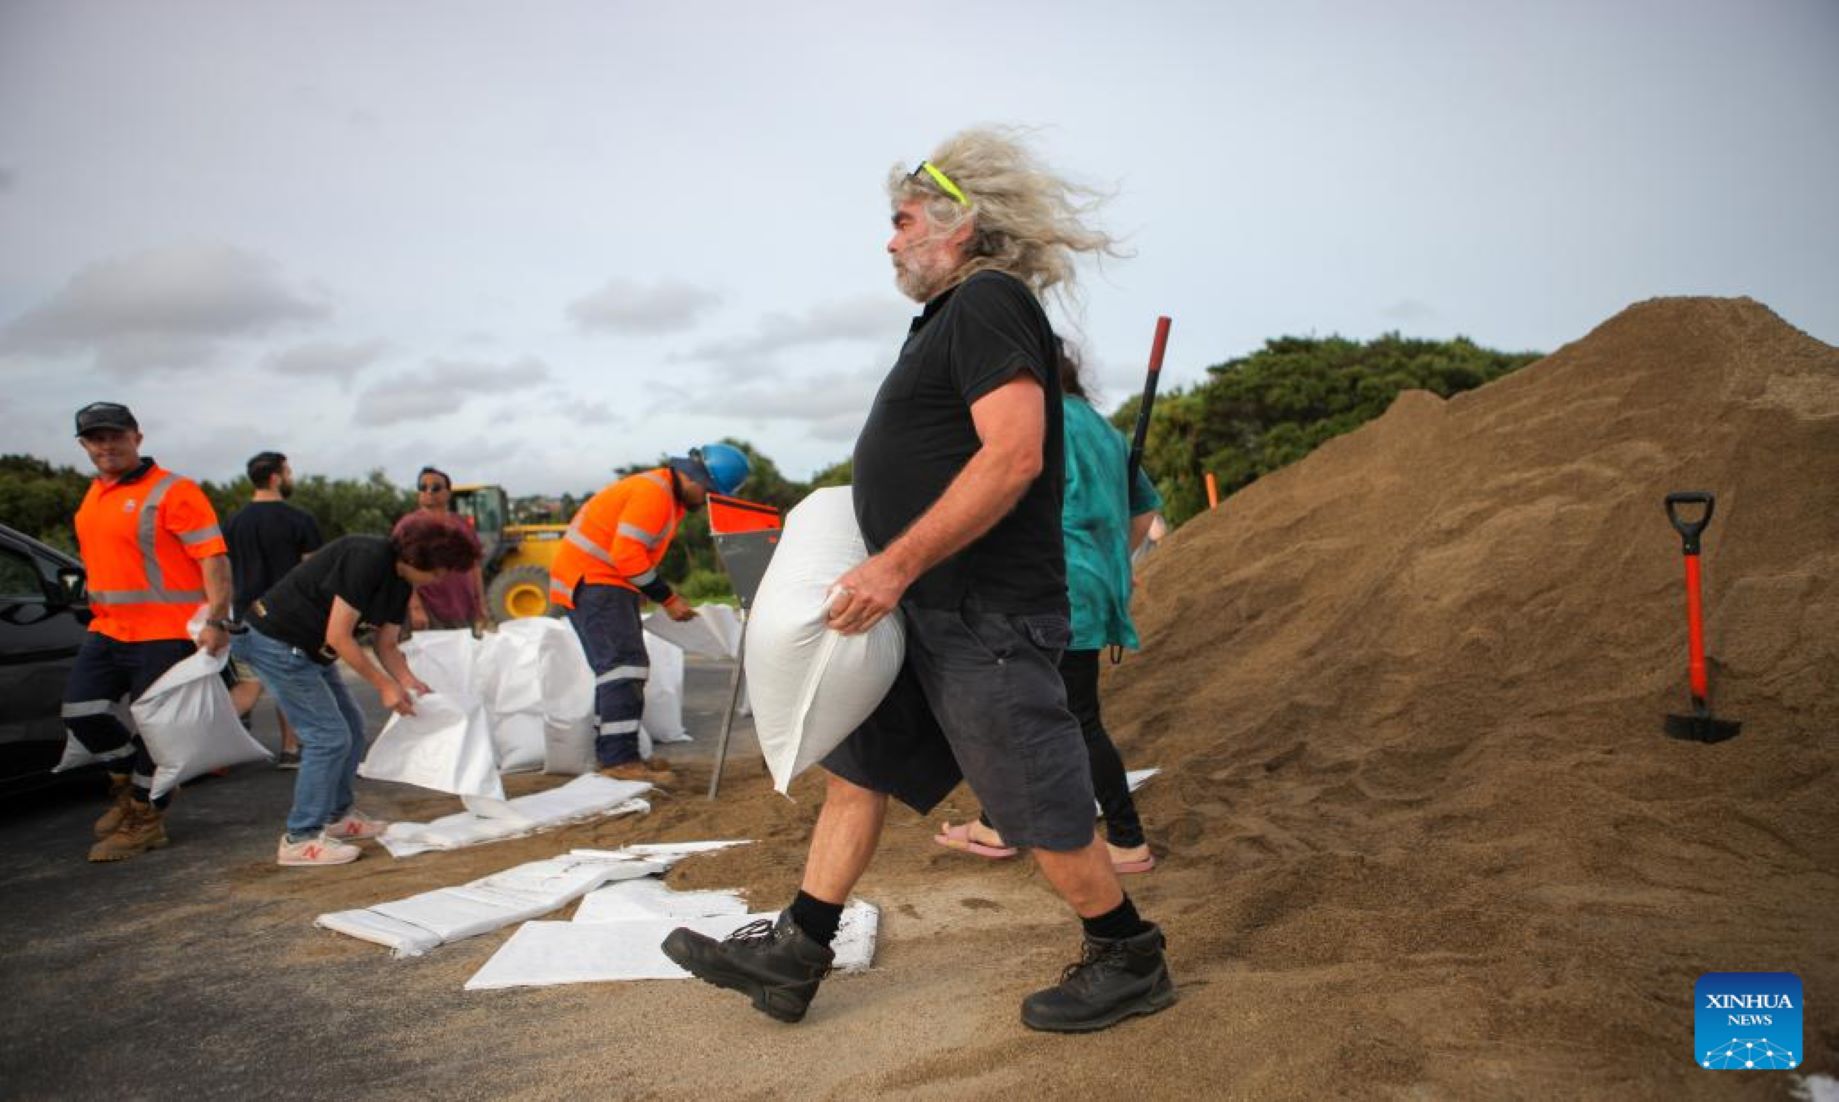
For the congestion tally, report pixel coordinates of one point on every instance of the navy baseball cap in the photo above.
(105, 415)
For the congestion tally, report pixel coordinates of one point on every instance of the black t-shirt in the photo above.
(267, 539)
(919, 435)
(361, 569)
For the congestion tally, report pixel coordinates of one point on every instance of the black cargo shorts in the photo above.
(979, 698)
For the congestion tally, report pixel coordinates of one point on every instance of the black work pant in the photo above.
(1079, 671)
(106, 670)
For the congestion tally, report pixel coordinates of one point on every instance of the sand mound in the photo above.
(1413, 687)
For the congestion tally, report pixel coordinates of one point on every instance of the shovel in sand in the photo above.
(1701, 725)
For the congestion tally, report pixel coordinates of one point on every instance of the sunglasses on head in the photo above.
(943, 181)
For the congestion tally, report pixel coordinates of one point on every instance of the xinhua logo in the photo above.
(1747, 1021)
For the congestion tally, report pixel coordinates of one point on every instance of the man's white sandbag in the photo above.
(811, 686)
(189, 724)
(445, 746)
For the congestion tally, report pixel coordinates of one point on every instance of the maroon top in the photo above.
(450, 600)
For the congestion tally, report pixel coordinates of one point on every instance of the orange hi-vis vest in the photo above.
(619, 537)
(141, 537)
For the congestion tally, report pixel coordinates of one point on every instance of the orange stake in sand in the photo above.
(1701, 725)
(1213, 491)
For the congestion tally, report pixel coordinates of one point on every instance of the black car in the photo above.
(44, 613)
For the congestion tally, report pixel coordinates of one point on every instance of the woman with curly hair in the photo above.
(302, 627)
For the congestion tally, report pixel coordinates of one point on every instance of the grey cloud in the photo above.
(326, 359)
(1410, 310)
(169, 307)
(442, 388)
(596, 414)
(853, 319)
(625, 306)
(828, 406)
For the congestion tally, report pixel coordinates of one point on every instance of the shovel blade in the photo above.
(1702, 728)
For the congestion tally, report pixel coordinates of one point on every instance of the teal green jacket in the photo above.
(1096, 518)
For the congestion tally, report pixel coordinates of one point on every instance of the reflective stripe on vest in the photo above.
(199, 535)
(148, 533)
(575, 536)
(634, 532)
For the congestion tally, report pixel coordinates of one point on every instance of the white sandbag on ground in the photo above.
(714, 633)
(663, 717)
(418, 923)
(649, 898)
(540, 954)
(809, 685)
(586, 797)
(445, 746)
(189, 724)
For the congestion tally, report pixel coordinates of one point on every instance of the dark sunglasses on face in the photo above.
(431, 488)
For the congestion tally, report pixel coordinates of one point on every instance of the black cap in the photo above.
(105, 415)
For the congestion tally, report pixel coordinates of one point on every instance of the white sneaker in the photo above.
(354, 827)
(316, 851)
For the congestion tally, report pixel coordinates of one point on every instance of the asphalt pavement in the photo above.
(93, 1010)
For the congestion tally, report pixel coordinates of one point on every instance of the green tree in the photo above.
(1267, 410)
(41, 500)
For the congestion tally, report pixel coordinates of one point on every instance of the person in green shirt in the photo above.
(1103, 519)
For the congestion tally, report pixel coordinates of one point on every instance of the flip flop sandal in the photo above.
(959, 838)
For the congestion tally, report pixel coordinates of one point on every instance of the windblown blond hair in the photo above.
(1025, 220)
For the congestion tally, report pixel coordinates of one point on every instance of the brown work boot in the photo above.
(142, 828)
(650, 770)
(121, 791)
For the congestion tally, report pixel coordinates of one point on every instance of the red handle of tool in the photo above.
(1695, 631)
(1141, 435)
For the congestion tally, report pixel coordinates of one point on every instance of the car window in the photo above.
(19, 579)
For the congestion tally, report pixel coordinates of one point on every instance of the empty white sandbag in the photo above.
(811, 686)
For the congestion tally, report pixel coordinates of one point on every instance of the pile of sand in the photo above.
(1419, 826)
(1413, 689)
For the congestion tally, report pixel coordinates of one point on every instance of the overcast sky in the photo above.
(531, 242)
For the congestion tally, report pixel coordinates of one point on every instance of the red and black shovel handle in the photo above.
(1690, 530)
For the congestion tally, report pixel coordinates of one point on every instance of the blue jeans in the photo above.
(326, 719)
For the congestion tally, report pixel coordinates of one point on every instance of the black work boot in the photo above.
(1112, 981)
(777, 964)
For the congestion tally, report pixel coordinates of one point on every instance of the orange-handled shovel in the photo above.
(1701, 725)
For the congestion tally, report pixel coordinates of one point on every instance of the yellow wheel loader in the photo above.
(517, 556)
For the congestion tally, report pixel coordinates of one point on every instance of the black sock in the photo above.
(1116, 924)
(819, 919)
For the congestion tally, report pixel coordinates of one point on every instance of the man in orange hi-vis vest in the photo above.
(153, 553)
(607, 565)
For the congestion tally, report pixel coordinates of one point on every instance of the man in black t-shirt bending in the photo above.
(267, 538)
(958, 478)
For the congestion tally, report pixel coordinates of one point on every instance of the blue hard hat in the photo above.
(719, 468)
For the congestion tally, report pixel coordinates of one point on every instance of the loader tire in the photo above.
(519, 593)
